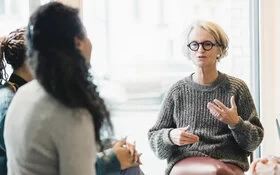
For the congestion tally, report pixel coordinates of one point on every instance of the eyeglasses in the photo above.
(206, 45)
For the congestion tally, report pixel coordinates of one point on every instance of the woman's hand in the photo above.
(181, 136)
(127, 154)
(224, 114)
(266, 165)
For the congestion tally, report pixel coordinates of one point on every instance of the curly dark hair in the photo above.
(59, 66)
(12, 51)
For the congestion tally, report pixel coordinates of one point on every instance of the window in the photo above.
(15, 14)
(137, 44)
(2, 4)
(137, 55)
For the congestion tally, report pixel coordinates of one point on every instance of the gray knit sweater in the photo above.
(186, 104)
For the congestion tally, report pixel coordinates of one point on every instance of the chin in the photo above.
(200, 64)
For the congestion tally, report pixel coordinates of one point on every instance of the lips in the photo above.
(201, 57)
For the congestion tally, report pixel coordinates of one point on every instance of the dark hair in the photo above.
(12, 51)
(59, 66)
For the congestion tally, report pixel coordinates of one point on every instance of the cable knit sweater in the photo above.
(186, 104)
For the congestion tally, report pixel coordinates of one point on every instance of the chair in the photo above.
(204, 166)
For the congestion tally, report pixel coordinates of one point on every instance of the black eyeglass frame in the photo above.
(202, 44)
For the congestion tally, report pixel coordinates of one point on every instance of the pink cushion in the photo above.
(204, 166)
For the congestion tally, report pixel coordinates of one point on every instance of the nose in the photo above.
(200, 48)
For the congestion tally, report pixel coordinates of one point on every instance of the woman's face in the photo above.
(84, 45)
(87, 50)
(203, 58)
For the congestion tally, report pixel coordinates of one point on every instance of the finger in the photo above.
(214, 109)
(188, 141)
(136, 155)
(130, 144)
(232, 101)
(215, 113)
(140, 162)
(121, 143)
(185, 128)
(193, 138)
(264, 161)
(137, 158)
(220, 104)
(221, 119)
(131, 148)
(114, 142)
(253, 166)
(188, 136)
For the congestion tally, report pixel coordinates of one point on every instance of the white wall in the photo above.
(270, 73)
(74, 3)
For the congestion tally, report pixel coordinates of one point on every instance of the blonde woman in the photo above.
(208, 113)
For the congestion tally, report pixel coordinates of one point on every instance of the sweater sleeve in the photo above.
(249, 132)
(6, 97)
(107, 162)
(158, 135)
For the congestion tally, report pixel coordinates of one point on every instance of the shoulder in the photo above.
(177, 86)
(238, 88)
(29, 87)
(236, 83)
(64, 119)
(49, 109)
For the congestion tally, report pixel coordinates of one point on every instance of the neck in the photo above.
(205, 76)
(24, 73)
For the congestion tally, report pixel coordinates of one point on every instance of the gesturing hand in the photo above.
(181, 136)
(224, 114)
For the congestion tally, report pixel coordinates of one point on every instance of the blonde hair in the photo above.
(215, 30)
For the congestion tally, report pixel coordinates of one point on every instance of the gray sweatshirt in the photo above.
(44, 137)
(186, 104)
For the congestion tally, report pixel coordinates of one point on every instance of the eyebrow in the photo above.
(202, 41)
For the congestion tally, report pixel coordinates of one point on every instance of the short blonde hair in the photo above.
(215, 30)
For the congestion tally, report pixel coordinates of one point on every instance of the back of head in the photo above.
(53, 27)
(12, 51)
(58, 64)
(54, 58)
